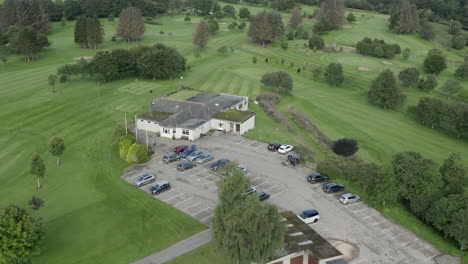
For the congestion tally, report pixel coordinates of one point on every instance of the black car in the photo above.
(186, 165)
(219, 163)
(294, 159)
(160, 187)
(274, 146)
(333, 187)
(263, 196)
(317, 177)
(169, 158)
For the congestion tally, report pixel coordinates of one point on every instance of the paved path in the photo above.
(178, 249)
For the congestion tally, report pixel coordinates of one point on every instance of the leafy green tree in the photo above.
(385, 91)
(281, 81)
(345, 147)
(351, 17)
(200, 39)
(386, 189)
(441, 213)
(323, 25)
(131, 24)
(137, 153)
(125, 142)
(459, 42)
(27, 13)
(406, 53)
(426, 31)
(454, 174)
(282, 5)
(451, 87)
(57, 147)
(213, 26)
(27, 42)
(458, 118)
(266, 27)
(430, 111)
(459, 228)
(36, 203)
(334, 74)
(160, 62)
(187, 19)
(435, 62)
(296, 18)
(368, 175)
(316, 41)
(229, 11)
(429, 84)
(244, 13)
(409, 76)
(103, 65)
(241, 26)
(37, 167)
(52, 81)
(124, 60)
(111, 17)
(333, 11)
(461, 72)
(454, 27)
(404, 17)
(20, 235)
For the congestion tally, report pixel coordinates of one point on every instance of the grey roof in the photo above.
(223, 101)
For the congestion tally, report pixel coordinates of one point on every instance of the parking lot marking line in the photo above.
(369, 216)
(200, 211)
(271, 188)
(206, 217)
(190, 198)
(376, 223)
(158, 157)
(198, 173)
(254, 179)
(400, 234)
(164, 194)
(256, 186)
(407, 243)
(203, 178)
(278, 193)
(172, 197)
(260, 146)
(190, 206)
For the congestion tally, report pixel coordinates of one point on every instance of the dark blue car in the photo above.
(219, 163)
(188, 151)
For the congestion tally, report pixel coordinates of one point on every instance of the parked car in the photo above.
(186, 165)
(180, 149)
(309, 216)
(294, 159)
(194, 155)
(169, 158)
(242, 168)
(317, 177)
(274, 146)
(349, 198)
(251, 190)
(333, 187)
(285, 149)
(144, 179)
(219, 163)
(205, 158)
(160, 187)
(187, 151)
(264, 196)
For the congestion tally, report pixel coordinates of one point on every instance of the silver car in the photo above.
(349, 198)
(144, 179)
(205, 158)
(194, 155)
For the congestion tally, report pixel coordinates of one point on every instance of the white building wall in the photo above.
(222, 125)
(150, 126)
(247, 125)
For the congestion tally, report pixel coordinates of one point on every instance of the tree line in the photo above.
(435, 193)
(152, 62)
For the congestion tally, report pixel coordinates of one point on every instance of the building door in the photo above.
(238, 127)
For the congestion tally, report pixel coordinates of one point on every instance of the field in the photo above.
(94, 217)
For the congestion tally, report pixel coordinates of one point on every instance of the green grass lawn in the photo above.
(92, 216)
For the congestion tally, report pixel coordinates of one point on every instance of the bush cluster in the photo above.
(268, 101)
(131, 151)
(377, 48)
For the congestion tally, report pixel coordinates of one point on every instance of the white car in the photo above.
(309, 216)
(251, 190)
(349, 198)
(285, 149)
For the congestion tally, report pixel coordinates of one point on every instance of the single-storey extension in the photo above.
(191, 118)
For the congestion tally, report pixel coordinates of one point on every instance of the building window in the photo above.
(166, 131)
(220, 124)
(173, 131)
(185, 132)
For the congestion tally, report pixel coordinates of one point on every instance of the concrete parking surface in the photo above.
(361, 232)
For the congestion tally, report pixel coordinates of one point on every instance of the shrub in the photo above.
(241, 26)
(125, 142)
(36, 203)
(268, 101)
(137, 154)
(284, 45)
(281, 81)
(316, 41)
(345, 147)
(459, 42)
(377, 48)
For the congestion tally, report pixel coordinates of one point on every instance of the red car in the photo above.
(180, 149)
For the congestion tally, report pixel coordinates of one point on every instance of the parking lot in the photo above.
(359, 231)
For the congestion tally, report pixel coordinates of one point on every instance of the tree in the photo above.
(37, 167)
(244, 13)
(241, 25)
(21, 235)
(266, 27)
(441, 213)
(345, 147)
(406, 53)
(333, 11)
(451, 87)
(131, 25)
(459, 228)
(173, 5)
(296, 18)
(159, 62)
(187, 19)
(88, 32)
(404, 17)
(454, 27)
(200, 39)
(103, 65)
(63, 21)
(282, 5)
(385, 91)
(52, 80)
(426, 31)
(459, 42)
(430, 111)
(213, 26)
(316, 41)
(137, 153)
(36, 203)
(435, 62)
(229, 11)
(409, 76)
(27, 42)
(334, 74)
(27, 13)
(458, 118)
(429, 84)
(4, 53)
(351, 17)
(386, 189)
(57, 147)
(454, 174)
(281, 81)
(461, 72)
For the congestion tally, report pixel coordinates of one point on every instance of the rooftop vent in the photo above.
(289, 225)
(296, 234)
(217, 104)
(303, 243)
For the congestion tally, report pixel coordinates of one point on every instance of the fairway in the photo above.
(92, 216)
